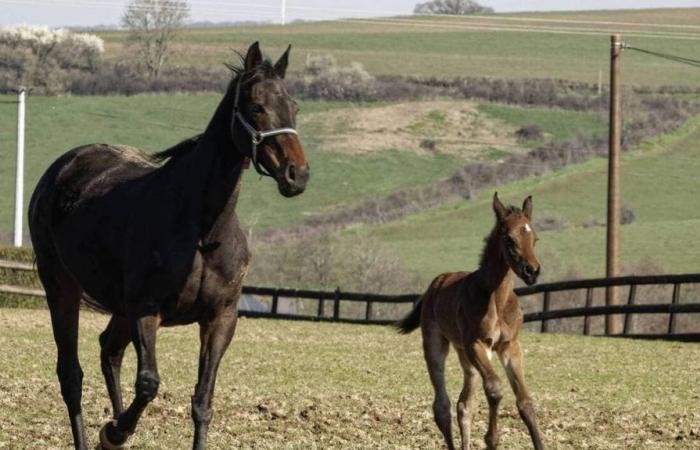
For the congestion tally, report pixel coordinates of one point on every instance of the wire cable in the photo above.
(676, 58)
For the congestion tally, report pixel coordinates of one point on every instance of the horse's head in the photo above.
(517, 239)
(263, 121)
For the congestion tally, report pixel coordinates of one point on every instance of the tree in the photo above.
(152, 26)
(458, 7)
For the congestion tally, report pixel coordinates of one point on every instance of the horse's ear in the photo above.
(527, 207)
(499, 209)
(254, 57)
(281, 64)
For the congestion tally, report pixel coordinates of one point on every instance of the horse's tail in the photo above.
(412, 320)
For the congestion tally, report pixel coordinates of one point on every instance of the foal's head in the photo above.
(266, 121)
(517, 239)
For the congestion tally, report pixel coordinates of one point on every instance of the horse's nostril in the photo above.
(291, 173)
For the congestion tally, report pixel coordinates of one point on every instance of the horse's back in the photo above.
(83, 173)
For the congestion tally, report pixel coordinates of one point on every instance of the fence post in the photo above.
(19, 173)
(320, 307)
(631, 300)
(674, 300)
(275, 301)
(545, 308)
(336, 304)
(587, 318)
(369, 311)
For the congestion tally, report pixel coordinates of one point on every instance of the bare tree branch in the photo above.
(152, 25)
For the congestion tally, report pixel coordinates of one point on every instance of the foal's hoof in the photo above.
(111, 438)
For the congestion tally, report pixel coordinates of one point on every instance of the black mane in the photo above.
(263, 70)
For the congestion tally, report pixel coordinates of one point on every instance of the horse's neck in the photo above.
(494, 274)
(212, 172)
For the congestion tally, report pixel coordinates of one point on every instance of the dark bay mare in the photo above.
(159, 244)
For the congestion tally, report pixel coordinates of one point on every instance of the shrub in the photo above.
(44, 59)
(530, 133)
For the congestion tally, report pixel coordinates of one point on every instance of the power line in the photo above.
(675, 58)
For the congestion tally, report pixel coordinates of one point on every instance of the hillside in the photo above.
(565, 45)
(357, 150)
(659, 183)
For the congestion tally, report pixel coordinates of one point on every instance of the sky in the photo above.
(57, 13)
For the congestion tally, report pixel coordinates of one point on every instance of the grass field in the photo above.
(334, 135)
(659, 184)
(565, 45)
(286, 385)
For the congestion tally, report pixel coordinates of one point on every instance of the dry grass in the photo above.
(456, 127)
(304, 385)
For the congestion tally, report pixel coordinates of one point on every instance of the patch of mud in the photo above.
(439, 126)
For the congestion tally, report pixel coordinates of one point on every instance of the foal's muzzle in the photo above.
(529, 273)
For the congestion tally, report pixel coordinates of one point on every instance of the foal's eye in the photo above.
(257, 108)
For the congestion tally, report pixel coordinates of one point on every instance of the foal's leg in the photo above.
(480, 356)
(113, 341)
(512, 359)
(215, 336)
(63, 297)
(465, 405)
(143, 333)
(435, 348)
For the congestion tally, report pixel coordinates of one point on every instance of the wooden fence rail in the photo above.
(544, 316)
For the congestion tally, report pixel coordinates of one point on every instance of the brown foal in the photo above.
(478, 312)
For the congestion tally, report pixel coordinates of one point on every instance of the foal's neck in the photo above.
(493, 273)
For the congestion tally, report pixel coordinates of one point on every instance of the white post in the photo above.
(284, 12)
(19, 176)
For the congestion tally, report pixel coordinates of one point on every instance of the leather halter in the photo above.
(256, 136)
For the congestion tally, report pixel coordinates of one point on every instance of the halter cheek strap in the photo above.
(256, 136)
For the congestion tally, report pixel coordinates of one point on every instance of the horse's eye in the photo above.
(256, 108)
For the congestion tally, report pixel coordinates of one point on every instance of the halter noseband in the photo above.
(256, 137)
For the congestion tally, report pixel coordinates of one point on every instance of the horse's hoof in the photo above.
(110, 429)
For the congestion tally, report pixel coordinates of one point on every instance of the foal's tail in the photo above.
(411, 321)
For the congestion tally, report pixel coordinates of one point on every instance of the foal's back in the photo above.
(462, 309)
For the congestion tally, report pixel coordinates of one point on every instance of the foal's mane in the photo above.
(491, 240)
(265, 70)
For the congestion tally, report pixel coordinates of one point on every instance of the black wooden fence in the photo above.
(328, 303)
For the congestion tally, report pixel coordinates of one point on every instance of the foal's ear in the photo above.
(527, 207)
(499, 209)
(254, 57)
(281, 64)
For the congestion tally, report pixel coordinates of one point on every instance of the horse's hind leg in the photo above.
(465, 405)
(113, 341)
(435, 348)
(63, 297)
(215, 336)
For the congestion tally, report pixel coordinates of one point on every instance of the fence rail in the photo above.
(544, 316)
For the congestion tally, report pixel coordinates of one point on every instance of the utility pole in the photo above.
(19, 174)
(284, 12)
(613, 322)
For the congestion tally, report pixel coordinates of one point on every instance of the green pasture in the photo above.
(154, 122)
(562, 45)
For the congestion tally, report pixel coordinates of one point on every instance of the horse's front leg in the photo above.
(143, 329)
(479, 354)
(215, 336)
